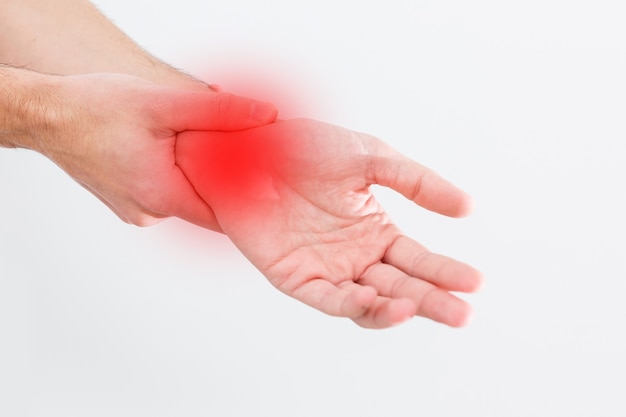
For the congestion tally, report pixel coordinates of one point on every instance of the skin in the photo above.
(71, 37)
(115, 135)
(313, 227)
(115, 139)
(139, 135)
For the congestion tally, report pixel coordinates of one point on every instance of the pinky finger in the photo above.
(347, 300)
(386, 312)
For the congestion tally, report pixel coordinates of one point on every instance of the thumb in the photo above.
(423, 186)
(218, 111)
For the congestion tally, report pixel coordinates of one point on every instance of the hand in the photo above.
(295, 198)
(117, 139)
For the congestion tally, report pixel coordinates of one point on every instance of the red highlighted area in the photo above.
(240, 172)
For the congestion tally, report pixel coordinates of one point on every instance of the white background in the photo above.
(520, 103)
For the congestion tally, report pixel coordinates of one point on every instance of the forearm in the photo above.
(30, 114)
(68, 37)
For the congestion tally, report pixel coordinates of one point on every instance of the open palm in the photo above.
(295, 198)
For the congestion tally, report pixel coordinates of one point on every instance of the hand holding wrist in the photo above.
(116, 135)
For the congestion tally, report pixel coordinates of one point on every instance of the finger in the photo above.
(217, 111)
(347, 301)
(357, 302)
(180, 199)
(417, 183)
(386, 312)
(430, 301)
(415, 260)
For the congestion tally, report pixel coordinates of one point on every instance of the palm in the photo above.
(295, 198)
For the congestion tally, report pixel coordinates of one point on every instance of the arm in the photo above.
(23, 112)
(126, 160)
(116, 135)
(68, 37)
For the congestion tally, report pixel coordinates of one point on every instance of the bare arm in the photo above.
(115, 135)
(67, 37)
(25, 111)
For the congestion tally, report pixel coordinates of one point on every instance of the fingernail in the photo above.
(263, 112)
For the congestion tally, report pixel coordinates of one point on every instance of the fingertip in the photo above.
(457, 314)
(456, 203)
(463, 318)
(467, 205)
(446, 308)
(401, 311)
(263, 112)
(479, 281)
(468, 279)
